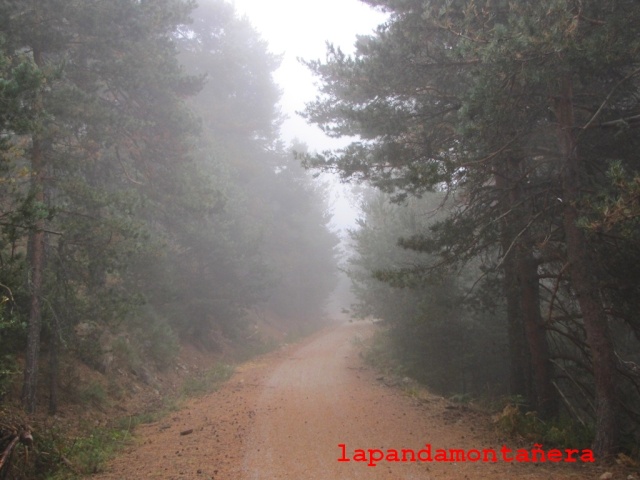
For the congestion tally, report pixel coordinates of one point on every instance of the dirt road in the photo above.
(286, 416)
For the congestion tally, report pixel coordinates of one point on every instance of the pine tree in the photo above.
(508, 105)
(107, 117)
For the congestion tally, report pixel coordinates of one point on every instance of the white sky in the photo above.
(300, 29)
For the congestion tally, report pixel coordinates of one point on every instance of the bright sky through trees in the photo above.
(300, 29)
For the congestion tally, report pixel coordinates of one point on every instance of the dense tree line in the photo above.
(438, 333)
(525, 116)
(144, 194)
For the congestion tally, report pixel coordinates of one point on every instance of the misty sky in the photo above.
(301, 28)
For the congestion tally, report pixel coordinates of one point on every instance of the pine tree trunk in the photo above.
(520, 382)
(527, 334)
(54, 346)
(54, 366)
(36, 269)
(36, 264)
(545, 397)
(585, 284)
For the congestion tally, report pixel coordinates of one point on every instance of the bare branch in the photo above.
(606, 100)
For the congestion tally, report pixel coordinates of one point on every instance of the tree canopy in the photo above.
(523, 112)
(145, 198)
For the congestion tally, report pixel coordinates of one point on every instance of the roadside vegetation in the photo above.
(150, 215)
(147, 208)
(500, 243)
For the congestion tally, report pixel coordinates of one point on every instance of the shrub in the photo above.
(208, 381)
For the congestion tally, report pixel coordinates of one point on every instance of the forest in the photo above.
(502, 246)
(145, 197)
(147, 200)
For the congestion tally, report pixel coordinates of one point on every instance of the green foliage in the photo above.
(19, 80)
(169, 207)
(11, 322)
(55, 456)
(8, 371)
(300, 245)
(271, 245)
(12, 315)
(433, 335)
(239, 98)
(517, 110)
(208, 381)
(152, 339)
(88, 453)
(91, 453)
(125, 353)
(382, 354)
(616, 208)
(563, 433)
(60, 456)
(93, 394)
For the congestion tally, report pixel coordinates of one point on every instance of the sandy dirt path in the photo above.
(285, 416)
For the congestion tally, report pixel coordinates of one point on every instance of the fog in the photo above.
(170, 207)
(298, 30)
(149, 193)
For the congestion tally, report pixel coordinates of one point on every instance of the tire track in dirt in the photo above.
(312, 403)
(284, 416)
(321, 397)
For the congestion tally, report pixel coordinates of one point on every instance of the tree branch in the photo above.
(606, 100)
